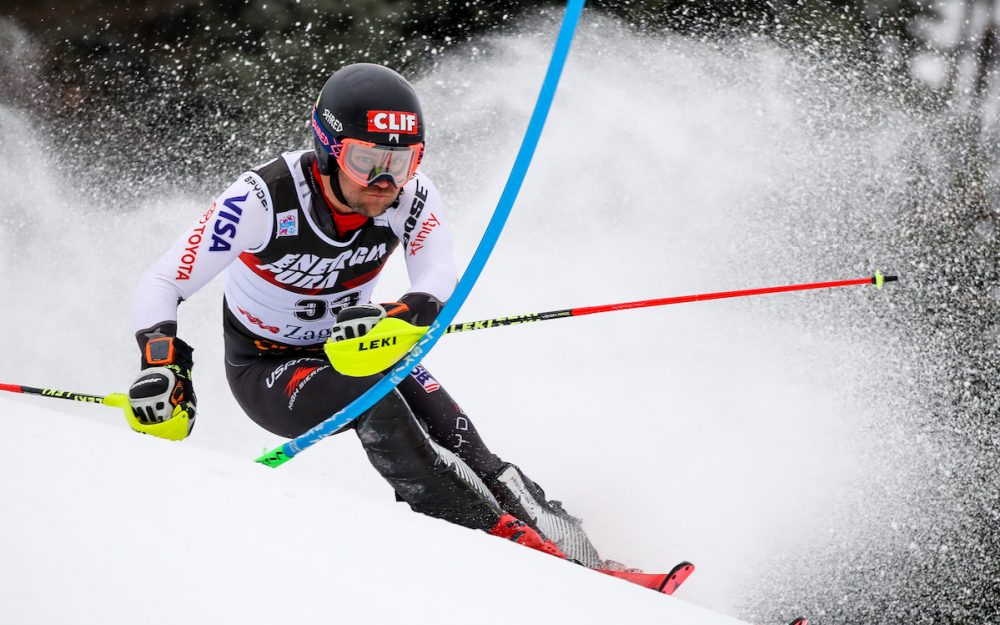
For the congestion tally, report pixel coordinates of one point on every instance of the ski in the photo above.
(667, 583)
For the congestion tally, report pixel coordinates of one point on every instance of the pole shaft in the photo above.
(664, 301)
(48, 392)
(701, 297)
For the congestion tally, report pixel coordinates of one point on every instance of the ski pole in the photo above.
(49, 392)
(115, 400)
(878, 280)
(392, 338)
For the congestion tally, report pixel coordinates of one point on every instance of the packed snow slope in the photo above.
(779, 442)
(102, 526)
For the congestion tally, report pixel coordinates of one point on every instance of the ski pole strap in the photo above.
(397, 374)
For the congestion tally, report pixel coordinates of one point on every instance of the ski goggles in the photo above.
(365, 162)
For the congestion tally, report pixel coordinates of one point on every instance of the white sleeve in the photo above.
(238, 221)
(427, 243)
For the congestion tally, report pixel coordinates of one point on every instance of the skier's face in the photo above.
(370, 201)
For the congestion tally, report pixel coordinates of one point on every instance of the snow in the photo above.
(752, 437)
(105, 526)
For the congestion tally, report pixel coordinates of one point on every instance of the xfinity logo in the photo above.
(425, 229)
(392, 121)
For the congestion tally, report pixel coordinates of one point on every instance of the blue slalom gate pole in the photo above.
(398, 373)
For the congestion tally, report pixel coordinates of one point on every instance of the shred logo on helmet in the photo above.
(332, 120)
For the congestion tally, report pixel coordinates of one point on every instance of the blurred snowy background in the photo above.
(833, 454)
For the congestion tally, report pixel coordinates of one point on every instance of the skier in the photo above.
(301, 241)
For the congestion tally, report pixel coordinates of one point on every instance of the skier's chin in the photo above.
(373, 210)
(371, 206)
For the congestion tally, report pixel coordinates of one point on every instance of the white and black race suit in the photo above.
(290, 263)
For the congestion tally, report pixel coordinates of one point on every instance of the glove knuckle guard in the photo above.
(151, 395)
(356, 321)
(361, 311)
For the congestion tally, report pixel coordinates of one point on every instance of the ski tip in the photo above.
(677, 576)
(801, 620)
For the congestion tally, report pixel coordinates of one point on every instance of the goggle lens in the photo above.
(367, 162)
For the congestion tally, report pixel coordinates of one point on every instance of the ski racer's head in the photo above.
(368, 128)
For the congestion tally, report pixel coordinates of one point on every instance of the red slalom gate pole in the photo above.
(878, 280)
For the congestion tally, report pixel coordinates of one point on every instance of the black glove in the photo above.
(355, 321)
(162, 396)
(420, 309)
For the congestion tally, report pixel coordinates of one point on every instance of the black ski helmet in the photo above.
(368, 102)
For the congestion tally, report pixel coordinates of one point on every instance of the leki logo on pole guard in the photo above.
(392, 121)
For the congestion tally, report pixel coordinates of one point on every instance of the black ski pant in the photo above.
(417, 437)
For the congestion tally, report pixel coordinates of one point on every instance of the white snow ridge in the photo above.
(102, 525)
